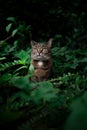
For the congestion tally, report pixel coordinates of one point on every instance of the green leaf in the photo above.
(21, 95)
(8, 27)
(5, 78)
(84, 60)
(21, 82)
(14, 32)
(45, 92)
(11, 19)
(2, 58)
(31, 69)
(20, 68)
(78, 118)
(23, 55)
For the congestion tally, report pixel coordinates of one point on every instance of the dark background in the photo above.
(47, 18)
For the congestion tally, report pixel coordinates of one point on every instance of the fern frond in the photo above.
(60, 80)
(2, 58)
(7, 65)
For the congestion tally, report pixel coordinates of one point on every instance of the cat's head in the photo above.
(41, 51)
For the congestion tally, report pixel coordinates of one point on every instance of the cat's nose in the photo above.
(39, 54)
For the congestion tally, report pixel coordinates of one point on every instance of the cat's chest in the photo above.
(41, 64)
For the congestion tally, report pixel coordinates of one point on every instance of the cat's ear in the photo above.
(33, 43)
(49, 43)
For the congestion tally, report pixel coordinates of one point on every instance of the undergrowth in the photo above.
(28, 104)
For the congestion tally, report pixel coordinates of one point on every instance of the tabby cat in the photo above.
(41, 59)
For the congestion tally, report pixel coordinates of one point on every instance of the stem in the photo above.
(7, 38)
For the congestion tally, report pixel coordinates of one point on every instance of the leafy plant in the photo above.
(47, 102)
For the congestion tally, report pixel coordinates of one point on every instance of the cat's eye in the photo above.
(45, 51)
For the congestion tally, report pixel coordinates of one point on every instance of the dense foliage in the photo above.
(62, 99)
